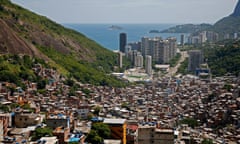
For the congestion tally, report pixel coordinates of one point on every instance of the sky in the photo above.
(131, 11)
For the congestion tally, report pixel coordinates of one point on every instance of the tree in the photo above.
(98, 132)
(97, 109)
(102, 129)
(94, 138)
(190, 121)
(207, 141)
(41, 132)
(4, 108)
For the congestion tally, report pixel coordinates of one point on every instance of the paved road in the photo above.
(173, 70)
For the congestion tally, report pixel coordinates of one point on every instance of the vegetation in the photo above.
(183, 67)
(41, 132)
(15, 69)
(187, 28)
(173, 62)
(207, 141)
(224, 58)
(97, 110)
(70, 52)
(98, 132)
(227, 25)
(189, 121)
(4, 108)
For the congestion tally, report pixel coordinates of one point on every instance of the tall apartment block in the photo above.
(195, 60)
(120, 57)
(172, 47)
(182, 41)
(148, 65)
(139, 61)
(162, 51)
(145, 49)
(122, 42)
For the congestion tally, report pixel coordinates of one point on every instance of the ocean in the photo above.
(109, 38)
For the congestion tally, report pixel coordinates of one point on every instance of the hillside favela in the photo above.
(119, 83)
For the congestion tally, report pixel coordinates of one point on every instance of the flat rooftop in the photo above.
(114, 121)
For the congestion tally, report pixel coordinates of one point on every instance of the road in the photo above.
(173, 70)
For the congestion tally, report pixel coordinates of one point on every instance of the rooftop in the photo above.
(114, 121)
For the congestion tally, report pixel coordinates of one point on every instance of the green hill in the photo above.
(227, 25)
(187, 28)
(224, 57)
(71, 53)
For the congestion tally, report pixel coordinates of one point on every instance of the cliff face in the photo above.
(11, 43)
(236, 12)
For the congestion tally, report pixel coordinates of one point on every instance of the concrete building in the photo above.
(136, 58)
(120, 59)
(162, 51)
(135, 46)
(118, 129)
(83, 111)
(195, 60)
(203, 37)
(182, 41)
(62, 134)
(145, 49)
(23, 120)
(4, 123)
(154, 45)
(172, 47)
(212, 36)
(128, 49)
(122, 42)
(235, 36)
(58, 120)
(139, 61)
(148, 65)
(151, 135)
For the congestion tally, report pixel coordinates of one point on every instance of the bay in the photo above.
(109, 38)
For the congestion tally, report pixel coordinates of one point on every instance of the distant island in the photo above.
(187, 28)
(115, 27)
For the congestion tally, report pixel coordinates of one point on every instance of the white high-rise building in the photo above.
(203, 37)
(148, 65)
(120, 57)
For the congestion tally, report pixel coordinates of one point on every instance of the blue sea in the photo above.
(109, 38)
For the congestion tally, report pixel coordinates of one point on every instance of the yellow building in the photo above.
(118, 129)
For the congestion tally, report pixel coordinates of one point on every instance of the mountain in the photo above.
(187, 28)
(25, 33)
(229, 24)
(236, 12)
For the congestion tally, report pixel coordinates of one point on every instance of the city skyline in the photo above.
(131, 11)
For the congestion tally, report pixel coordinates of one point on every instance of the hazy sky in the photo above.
(131, 11)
